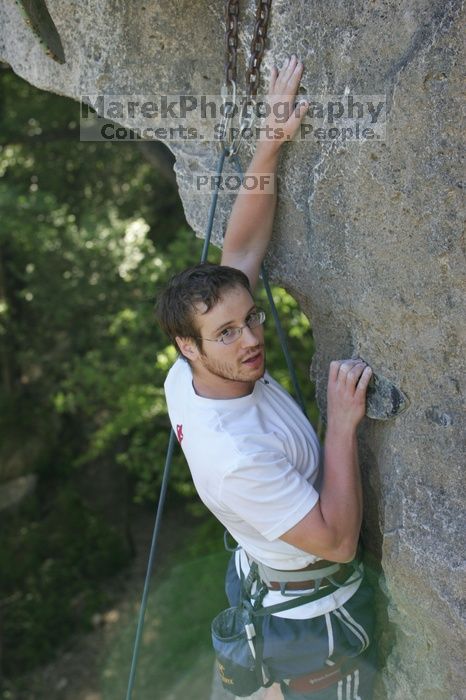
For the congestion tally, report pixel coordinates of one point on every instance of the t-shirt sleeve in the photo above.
(268, 493)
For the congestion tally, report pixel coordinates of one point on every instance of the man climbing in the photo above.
(255, 459)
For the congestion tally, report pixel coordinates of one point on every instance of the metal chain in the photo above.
(257, 47)
(252, 73)
(231, 40)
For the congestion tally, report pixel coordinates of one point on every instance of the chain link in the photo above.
(231, 40)
(257, 47)
(252, 73)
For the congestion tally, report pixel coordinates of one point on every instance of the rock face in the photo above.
(367, 238)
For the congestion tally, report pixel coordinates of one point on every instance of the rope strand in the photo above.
(168, 463)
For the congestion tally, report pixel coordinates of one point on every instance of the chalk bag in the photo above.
(240, 667)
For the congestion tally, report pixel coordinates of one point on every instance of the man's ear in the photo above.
(187, 347)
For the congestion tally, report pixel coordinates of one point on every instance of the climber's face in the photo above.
(227, 369)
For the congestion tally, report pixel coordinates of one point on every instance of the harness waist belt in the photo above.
(341, 575)
(323, 572)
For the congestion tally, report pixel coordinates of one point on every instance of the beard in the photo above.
(236, 371)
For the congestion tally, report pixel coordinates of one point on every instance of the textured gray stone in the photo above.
(367, 238)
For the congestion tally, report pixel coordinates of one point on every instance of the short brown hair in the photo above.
(201, 283)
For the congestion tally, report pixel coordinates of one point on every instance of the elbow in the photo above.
(346, 558)
(345, 552)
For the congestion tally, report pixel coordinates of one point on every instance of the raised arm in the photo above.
(250, 225)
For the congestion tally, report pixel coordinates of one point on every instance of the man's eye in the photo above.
(226, 332)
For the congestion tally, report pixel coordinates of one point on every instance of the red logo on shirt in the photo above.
(179, 433)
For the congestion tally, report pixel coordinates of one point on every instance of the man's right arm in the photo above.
(250, 225)
(331, 529)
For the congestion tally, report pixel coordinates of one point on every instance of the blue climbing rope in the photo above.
(150, 564)
(283, 341)
(172, 439)
(167, 467)
(213, 206)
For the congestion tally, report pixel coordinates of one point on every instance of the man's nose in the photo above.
(250, 336)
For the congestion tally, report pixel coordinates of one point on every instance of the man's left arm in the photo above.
(250, 226)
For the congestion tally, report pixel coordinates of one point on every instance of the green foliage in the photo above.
(89, 234)
(51, 578)
(176, 639)
(84, 249)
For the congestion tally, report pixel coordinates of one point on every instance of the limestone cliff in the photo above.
(367, 238)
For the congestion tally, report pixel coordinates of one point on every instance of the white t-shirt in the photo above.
(255, 464)
(254, 461)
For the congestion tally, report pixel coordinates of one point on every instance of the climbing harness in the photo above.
(322, 574)
(237, 635)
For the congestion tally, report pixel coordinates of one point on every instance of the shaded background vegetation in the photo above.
(89, 232)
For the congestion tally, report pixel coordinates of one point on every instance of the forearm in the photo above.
(331, 529)
(341, 494)
(251, 221)
(250, 226)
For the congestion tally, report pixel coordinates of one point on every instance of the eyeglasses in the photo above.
(229, 335)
